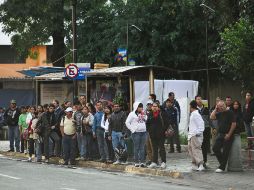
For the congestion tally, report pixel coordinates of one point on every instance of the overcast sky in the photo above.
(4, 39)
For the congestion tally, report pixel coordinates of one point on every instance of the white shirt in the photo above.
(104, 124)
(196, 125)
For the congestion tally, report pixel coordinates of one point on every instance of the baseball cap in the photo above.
(149, 102)
(69, 109)
(13, 102)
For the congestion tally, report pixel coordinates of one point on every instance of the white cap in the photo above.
(149, 102)
(69, 109)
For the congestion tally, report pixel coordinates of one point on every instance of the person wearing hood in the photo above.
(136, 123)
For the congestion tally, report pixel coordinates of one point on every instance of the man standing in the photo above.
(149, 146)
(117, 128)
(47, 122)
(56, 133)
(204, 112)
(98, 132)
(224, 140)
(195, 137)
(68, 130)
(229, 102)
(171, 112)
(248, 113)
(171, 97)
(11, 117)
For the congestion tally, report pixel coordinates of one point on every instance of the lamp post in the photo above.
(207, 9)
(127, 40)
(74, 45)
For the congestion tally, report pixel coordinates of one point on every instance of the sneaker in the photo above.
(124, 163)
(11, 150)
(65, 163)
(163, 165)
(148, 163)
(194, 167)
(47, 161)
(142, 165)
(152, 165)
(29, 159)
(201, 168)
(117, 162)
(136, 165)
(219, 170)
(25, 151)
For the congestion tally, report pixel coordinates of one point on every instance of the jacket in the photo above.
(87, 128)
(157, 126)
(11, 117)
(136, 122)
(117, 122)
(172, 115)
(249, 112)
(45, 122)
(97, 120)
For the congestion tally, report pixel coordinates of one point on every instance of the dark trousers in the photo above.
(221, 149)
(53, 135)
(111, 152)
(31, 147)
(69, 145)
(206, 143)
(158, 146)
(175, 139)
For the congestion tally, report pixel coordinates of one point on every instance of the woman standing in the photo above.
(237, 110)
(29, 118)
(87, 134)
(157, 124)
(23, 129)
(104, 125)
(136, 123)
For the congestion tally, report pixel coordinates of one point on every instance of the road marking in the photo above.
(65, 188)
(8, 176)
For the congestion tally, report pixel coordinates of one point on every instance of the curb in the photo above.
(103, 166)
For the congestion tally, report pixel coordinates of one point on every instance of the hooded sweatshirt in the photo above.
(136, 122)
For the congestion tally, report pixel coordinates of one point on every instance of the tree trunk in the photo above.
(58, 50)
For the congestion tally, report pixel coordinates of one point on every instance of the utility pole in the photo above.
(74, 45)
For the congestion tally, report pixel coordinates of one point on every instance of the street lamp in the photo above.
(127, 40)
(206, 10)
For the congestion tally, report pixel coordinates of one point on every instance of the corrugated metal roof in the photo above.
(106, 71)
(112, 71)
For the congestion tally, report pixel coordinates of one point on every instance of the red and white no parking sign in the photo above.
(71, 71)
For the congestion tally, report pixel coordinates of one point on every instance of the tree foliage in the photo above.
(33, 23)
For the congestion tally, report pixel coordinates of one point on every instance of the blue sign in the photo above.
(73, 72)
(82, 73)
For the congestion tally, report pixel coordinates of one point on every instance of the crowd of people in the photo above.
(100, 131)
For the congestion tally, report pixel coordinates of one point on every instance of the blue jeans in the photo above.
(38, 150)
(139, 141)
(14, 134)
(103, 148)
(84, 144)
(248, 129)
(117, 138)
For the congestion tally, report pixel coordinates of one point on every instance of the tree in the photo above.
(236, 51)
(33, 23)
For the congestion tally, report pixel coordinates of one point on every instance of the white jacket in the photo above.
(134, 122)
(196, 125)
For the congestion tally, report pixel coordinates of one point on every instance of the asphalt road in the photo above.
(25, 176)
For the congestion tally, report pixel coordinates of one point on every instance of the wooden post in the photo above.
(36, 93)
(151, 81)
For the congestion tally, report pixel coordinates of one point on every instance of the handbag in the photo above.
(25, 134)
(169, 132)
